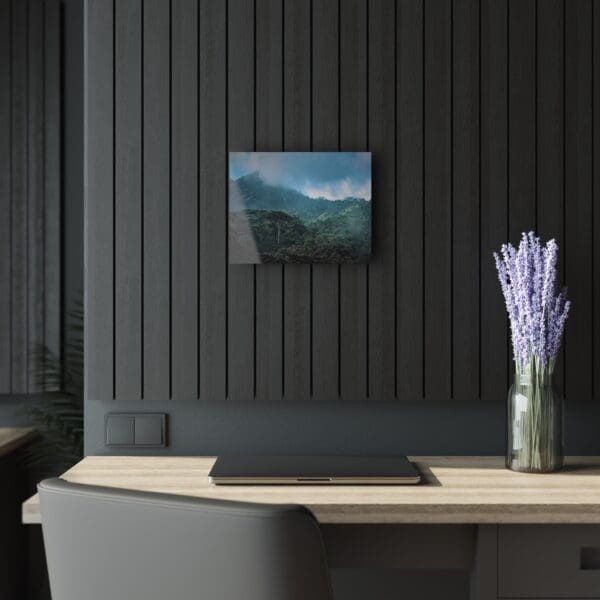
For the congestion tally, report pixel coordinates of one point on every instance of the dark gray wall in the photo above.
(30, 188)
(480, 117)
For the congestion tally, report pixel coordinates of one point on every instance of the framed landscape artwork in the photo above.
(299, 207)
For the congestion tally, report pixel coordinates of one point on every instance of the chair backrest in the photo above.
(111, 544)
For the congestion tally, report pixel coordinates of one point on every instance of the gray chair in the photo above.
(110, 544)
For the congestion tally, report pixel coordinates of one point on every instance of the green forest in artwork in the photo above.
(272, 223)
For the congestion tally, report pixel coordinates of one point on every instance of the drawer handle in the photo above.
(590, 559)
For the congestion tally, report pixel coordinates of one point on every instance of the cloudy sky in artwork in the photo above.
(331, 175)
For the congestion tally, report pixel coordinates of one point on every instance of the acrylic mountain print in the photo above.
(299, 207)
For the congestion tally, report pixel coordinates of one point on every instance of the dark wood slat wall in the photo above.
(326, 137)
(156, 154)
(353, 136)
(30, 188)
(5, 196)
(99, 201)
(550, 131)
(437, 234)
(493, 163)
(409, 201)
(481, 120)
(297, 136)
(596, 195)
(241, 136)
(268, 117)
(128, 198)
(465, 200)
(578, 195)
(381, 141)
(213, 189)
(188, 196)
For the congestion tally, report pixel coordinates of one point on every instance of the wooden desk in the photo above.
(458, 490)
(12, 438)
(517, 535)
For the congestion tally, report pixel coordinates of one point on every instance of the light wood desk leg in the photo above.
(484, 577)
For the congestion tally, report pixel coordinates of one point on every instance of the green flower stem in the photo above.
(539, 447)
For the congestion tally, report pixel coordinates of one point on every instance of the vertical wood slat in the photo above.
(184, 200)
(535, 164)
(5, 197)
(156, 198)
(297, 137)
(19, 180)
(52, 177)
(465, 200)
(325, 137)
(382, 355)
(353, 137)
(438, 200)
(128, 199)
(213, 198)
(35, 190)
(494, 227)
(596, 196)
(550, 133)
(578, 198)
(521, 117)
(269, 137)
(240, 128)
(98, 181)
(409, 181)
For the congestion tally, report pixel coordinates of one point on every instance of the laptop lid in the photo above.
(305, 470)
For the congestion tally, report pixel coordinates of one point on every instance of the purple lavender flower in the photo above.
(537, 314)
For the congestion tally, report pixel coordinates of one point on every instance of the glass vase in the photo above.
(535, 436)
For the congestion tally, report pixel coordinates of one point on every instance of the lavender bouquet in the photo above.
(537, 316)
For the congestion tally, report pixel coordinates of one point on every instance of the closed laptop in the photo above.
(306, 470)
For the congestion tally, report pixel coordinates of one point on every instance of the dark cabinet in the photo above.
(549, 561)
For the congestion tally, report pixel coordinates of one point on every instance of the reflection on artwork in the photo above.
(306, 207)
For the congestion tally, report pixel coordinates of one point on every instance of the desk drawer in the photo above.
(549, 561)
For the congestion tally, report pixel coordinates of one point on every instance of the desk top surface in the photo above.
(455, 490)
(12, 438)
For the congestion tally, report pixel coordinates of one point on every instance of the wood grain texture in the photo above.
(550, 133)
(325, 137)
(269, 138)
(353, 136)
(240, 128)
(481, 119)
(184, 200)
(494, 200)
(578, 198)
(457, 490)
(98, 182)
(19, 194)
(213, 200)
(52, 176)
(521, 117)
(30, 185)
(409, 202)
(381, 270)
(596, 195)
(297, 115)
(438, 200)
(128, 199)
(5, 197)
(465, 200)
(156, 197)
(35, 240)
